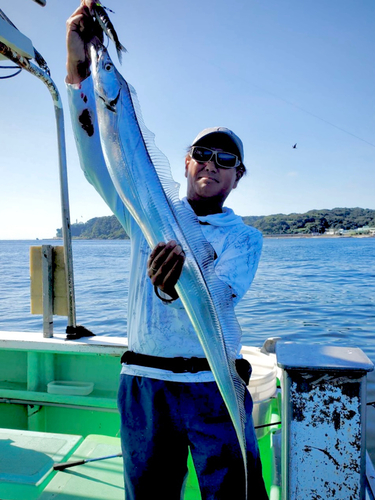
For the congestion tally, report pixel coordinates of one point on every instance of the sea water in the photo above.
(306, 290)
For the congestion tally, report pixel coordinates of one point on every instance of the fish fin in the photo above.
(158, 158)
(203, 252)
(120, 49)
(186, 218)
(199, 249)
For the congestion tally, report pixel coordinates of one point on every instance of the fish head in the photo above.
(107, 80)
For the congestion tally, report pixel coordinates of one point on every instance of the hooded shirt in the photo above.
(156, 327)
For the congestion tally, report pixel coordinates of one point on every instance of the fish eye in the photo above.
(108, 66)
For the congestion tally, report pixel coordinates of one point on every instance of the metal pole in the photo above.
(47, 275)
(47, 80)
(65, 213)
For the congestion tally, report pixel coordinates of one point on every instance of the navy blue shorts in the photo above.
(161, 420)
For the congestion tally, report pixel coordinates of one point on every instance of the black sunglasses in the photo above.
(221, 158)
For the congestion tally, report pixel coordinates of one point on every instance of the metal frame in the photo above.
(26, 64)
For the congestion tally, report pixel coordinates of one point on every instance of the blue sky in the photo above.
(276, 72)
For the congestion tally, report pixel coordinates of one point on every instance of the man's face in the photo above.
(207, 180)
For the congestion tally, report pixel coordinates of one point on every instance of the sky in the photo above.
(277, 72)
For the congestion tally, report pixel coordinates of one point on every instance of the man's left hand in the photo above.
(164, 266)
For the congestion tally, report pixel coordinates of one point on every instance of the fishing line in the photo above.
(321, 119)
(13, 74)
(266, 425)
(290, 103)
(107, 8)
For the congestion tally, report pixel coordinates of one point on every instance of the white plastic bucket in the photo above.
(262, 385)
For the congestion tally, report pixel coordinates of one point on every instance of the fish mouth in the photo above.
(111, 105)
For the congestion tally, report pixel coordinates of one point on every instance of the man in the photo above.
(168, 400)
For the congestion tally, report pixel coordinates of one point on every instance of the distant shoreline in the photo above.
(265, 236)
(350, 221)
(286, 236)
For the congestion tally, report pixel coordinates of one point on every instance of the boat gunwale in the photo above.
(34, 341)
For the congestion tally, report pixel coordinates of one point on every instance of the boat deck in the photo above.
(27, 460)
(27, 466)
(39, 427)
(100, 480)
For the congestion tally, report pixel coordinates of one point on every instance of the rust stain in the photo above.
(326, 453)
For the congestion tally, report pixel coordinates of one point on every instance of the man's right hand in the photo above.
(80, 32)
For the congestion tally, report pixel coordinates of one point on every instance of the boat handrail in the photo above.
(25, 63)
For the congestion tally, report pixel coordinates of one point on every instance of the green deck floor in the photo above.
(100, 480)
(27, 467)
(27, 458)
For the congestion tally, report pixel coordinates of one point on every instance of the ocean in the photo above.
(307, 290)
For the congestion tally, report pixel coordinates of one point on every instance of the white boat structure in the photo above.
(58, 393)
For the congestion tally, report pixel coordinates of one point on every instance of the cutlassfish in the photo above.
(143, 180)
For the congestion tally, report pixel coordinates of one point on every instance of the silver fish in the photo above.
(143, 180)
(106, 25)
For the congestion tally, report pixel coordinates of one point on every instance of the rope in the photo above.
(13, 74)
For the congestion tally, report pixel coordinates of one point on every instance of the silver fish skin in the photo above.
(143, 180)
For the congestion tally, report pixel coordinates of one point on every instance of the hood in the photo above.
(226, 218)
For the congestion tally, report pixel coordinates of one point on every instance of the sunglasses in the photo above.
(222, 159)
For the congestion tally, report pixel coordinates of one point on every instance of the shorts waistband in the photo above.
(182, 365)
(175, 365)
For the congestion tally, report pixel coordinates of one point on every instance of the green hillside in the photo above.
(98, 228)
(314, 221)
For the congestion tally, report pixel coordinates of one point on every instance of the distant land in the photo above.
(335, 221)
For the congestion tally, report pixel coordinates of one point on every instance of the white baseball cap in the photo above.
(222, 130)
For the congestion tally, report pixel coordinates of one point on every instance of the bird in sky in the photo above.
(295, 146)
